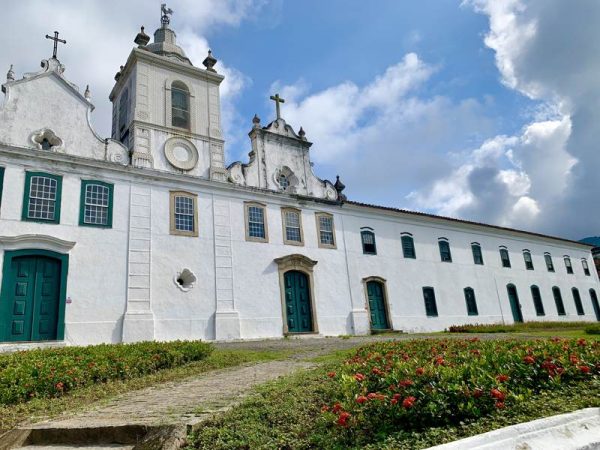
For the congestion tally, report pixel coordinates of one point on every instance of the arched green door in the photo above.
(29, 306)
(297, 302)
(379, 319)
(595, 304)
(515, 306)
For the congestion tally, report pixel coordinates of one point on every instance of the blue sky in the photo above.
(479, 109)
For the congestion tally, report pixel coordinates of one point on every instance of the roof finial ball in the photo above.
(302, 134)
(142, 38)
(209, 62)
(10, 75)
(256, 121)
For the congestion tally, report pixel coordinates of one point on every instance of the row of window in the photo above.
(536, 296)
(408, 250)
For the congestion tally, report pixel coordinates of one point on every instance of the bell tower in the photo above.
(166, 110)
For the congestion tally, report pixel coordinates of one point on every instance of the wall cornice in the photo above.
(37, 241)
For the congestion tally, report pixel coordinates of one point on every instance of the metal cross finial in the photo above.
(56, 41)
(277, 99)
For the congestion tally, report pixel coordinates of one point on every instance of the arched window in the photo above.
(471, 302)
(504, 257)
(180, 105)
(586, 268)
(595, 304)
(560, 306)
(477, 255)
(368, 241)
(577, 300)
(528, 260)
(124, 117)
(430, 304)
(537, 300)
(568, 264)
(549, 264)
(408, 246)
(445, 254)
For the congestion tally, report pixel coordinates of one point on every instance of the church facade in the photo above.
(150, 235)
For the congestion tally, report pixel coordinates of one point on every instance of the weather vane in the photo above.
(56, 41)
(164, 14)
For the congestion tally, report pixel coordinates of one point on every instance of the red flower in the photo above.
(361, 399)
(336, 408)
(396, 397)
(581, 342)
(371, 395)
(420, 371)
(476, 352)
(439, 361)
(60, 386)
(498, 395)
(574, 359)
(584, 369)
(359, 377)
(408, 402)
(394, 401)
(324, 408)
(331, 374)
(529, 359)
(405, 383)
(343, 419)
(500, 405)
(502, 378)
(377, 371)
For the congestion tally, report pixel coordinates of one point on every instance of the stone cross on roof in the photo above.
(56, 41)
(277, 99)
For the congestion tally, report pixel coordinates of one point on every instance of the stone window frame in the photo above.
(305, 265)
(386, 301)
(82, 203)
(172, 229)
(169, 105)
(27, 198)
(263, 206)
(285, 210)
(318, 216)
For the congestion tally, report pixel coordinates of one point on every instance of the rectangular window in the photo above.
(537, 301)
(577, 300)
(96, 204)
(477, 255)
(445, 254)
(528, 260)
(41, 199)
(325, 230)
(471, 302)
(504, 257)
(430, 305)
(584, 263)
(368, 242)
(256, 226)
(408, 246)
(568, 265)
(560, 306)
(549, 264)
(183, 214)
(292, 226)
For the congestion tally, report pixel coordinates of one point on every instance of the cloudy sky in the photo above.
(481, 109)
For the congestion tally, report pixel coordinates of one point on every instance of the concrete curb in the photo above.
(579, 430)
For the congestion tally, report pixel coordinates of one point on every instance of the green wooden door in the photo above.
(297, 302)
(31, 299)
(379, 320)
(515, 306)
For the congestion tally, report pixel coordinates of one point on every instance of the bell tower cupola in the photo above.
(166, 110)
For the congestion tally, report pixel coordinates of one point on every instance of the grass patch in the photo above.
(518, 327)
(42, 408)
(287, 413)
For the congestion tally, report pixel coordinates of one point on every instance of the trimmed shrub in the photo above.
(518, 327)
(412, 385)
(593, 329)
(54, 372)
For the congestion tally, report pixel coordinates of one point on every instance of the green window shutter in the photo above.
(471, 302)
(445, 254)
(560, 306)
(477, 255)
(408, 246)
(96, 204)
(537, 301)
(430, 305)
(577, 300)
(368, 242)
(42, 197)
(504, 257)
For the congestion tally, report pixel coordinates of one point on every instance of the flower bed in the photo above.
(53, 372)
(516, 327)
(416, 384)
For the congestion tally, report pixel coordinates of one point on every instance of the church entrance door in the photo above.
(29, 303)
(515, 306)
(379, 320)
(297, 302)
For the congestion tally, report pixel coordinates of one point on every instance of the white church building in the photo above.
(151, 235)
